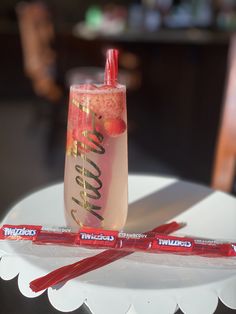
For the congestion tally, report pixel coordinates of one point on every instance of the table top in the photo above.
(141, 282)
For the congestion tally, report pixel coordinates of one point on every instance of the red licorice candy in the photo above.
(79, 268)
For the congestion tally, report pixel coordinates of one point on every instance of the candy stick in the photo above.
(111, 69)
(91, 263)
(122, 245)
(153, 242)
(191, 246)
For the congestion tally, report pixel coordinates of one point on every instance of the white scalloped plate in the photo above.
(142, 283)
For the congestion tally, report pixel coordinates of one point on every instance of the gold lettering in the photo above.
(86, 173)
(87, 206)
(100, 149)
(73, 215)
(87, 179)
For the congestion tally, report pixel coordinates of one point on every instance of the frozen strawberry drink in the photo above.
(96, 169)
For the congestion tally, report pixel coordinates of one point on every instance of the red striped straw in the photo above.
(111, 69)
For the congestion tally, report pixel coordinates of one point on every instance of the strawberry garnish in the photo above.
(114, 127)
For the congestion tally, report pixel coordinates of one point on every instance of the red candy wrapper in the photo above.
(19, 232)
(57, 235)
(152, 241)
(71, 271)
(119, 244)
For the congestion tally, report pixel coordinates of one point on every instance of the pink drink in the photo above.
(96, 169)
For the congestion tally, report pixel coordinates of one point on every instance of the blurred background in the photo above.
(173, 58)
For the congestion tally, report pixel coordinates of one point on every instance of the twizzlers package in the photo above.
(150, 242)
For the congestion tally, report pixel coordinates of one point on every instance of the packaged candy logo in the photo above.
(176, 243)
(97, 237)
(132, 235)
(13, 232)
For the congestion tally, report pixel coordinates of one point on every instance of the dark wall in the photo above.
(175, 112)
(183, 86)
(13, 83)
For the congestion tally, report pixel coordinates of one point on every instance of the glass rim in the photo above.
(112, 89)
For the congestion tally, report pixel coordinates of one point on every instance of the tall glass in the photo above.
(96, 167)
